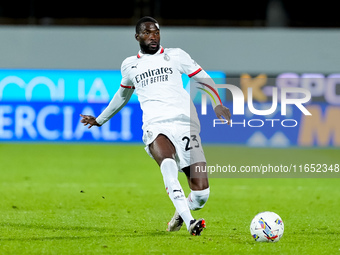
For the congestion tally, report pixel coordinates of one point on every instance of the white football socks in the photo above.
(198, 198)
(169, 171)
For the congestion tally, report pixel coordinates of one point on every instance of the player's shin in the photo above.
(198, 198)
(169, 171)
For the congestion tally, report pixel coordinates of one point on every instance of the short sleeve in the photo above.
(126, 81)
(187, 64)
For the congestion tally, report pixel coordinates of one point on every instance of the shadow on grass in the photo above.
(46, 227)
(109, 231)
(53, 238)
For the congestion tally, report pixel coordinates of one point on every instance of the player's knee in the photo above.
(198, 198)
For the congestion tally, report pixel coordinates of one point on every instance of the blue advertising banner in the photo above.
(68, 85)
(59, 85)
(46, 121)
(44, 105)
(321, 128)
(41, 121)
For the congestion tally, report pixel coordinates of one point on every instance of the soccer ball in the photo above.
(267, 227)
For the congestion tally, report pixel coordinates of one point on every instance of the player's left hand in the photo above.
(88, 119)
(222, 111)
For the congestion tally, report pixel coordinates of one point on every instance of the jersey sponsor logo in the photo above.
(153, 75)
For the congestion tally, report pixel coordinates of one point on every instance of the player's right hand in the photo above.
(88, 119)
(222, 111)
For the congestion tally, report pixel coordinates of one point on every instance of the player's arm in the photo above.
(119, 100)
(206, 83)
(193, 70)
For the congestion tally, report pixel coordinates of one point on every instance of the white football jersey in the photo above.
(158, 84)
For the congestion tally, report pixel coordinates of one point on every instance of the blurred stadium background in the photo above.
(63, 57)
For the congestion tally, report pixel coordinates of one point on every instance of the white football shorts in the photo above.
(184, 137)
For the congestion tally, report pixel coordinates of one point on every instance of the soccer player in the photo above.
(170, 125)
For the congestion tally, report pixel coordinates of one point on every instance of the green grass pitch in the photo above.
(109, 199)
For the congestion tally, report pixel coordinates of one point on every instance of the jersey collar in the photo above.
(160, 51)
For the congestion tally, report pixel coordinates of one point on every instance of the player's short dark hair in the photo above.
(143, 20)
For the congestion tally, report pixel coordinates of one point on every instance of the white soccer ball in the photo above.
(267, 227)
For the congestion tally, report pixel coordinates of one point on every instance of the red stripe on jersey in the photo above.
(127, 87)
(194, 73)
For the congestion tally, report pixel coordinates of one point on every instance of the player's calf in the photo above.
(169, 171)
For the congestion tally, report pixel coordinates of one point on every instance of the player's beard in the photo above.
(146, 48)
